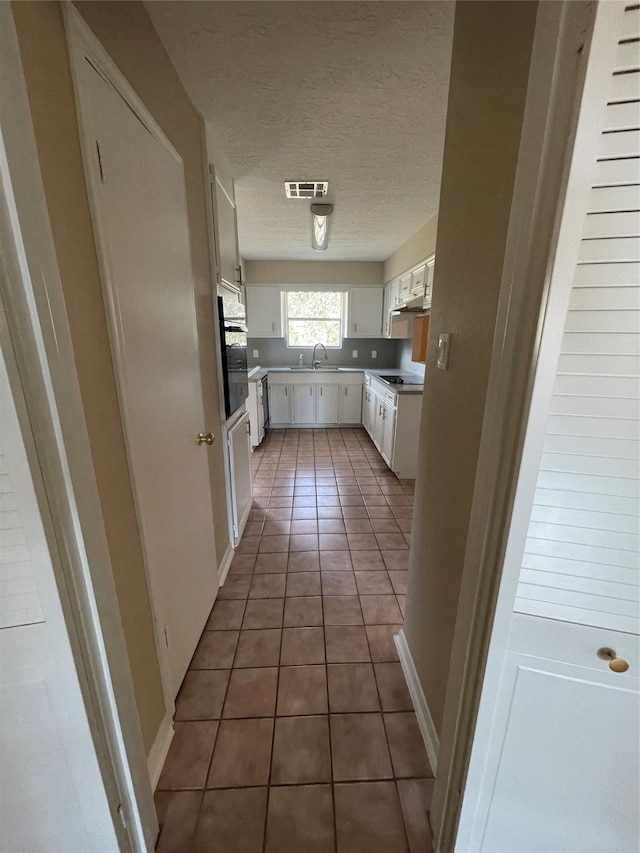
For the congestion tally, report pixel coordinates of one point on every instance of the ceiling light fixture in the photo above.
(320, 214)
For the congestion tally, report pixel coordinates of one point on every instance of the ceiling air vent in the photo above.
(306, 189)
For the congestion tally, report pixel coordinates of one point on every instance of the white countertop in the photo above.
(257, 373)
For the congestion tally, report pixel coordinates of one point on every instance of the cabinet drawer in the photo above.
(391, 398)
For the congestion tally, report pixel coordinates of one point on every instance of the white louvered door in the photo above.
(560, 766)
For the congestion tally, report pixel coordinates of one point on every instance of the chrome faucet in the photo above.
(318, 361)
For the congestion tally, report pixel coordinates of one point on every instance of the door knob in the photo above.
(616, 664)
(209, 438)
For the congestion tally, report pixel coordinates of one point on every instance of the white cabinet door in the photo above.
(303, 404)
(377, 421)
(428, 284)
(418, 277)
(350, 404)
(405, 288)
(226, 234)
(280, 404)
(367, 410)
(388, 432)
(387, 305)
(264, 314)
(240, 467)
(327, 404)
(365, 312)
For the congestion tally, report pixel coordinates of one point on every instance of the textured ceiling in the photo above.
(350, 92)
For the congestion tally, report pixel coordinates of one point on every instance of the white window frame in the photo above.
(307, 289)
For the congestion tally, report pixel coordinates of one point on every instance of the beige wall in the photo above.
(416, 249)
(129, 37)
(491, 53)
(313, 272)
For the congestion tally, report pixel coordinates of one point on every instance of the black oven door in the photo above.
(233, 345)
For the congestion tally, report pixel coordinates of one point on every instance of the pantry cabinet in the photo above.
(264, 312)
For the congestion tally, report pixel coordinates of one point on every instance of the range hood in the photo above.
(414, 306)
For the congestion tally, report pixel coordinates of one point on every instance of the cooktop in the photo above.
(400, 380)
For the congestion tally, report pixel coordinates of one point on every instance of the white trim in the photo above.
(423, 714)
(159, 749)
(556, 79)
(38, 348)
(225, 565)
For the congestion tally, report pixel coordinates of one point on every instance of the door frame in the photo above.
(38, 351)
(542, 244)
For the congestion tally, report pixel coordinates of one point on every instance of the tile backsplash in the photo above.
(274, 352)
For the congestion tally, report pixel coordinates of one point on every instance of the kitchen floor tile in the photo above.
(300, 820)
(242, 755)
(392, 686)
(302, 646)
(335, 561)
(252, 693)
(215, 650)
(268, 586)
(359, 747)
(226, 615)
(415, 800)
(367, 561)
(301, 751)
(380, 609)
(202, 694)
(352, 687)
(258, 648)
(232, 821)
(303, 584)
(396, 561)
(271, 564)
(407, 748)
(236, 586)
(303, 612)
(188, 756)
(382, 642)
(342, 610)
(373, 583)
(369, 819)
(177, 816)
(263, 613)
(338, 583)
(304, 561)
(346, 644)
(302, 690)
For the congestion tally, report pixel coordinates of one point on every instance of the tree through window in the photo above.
(314, 317)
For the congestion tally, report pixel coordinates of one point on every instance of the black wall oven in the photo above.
(233, 355)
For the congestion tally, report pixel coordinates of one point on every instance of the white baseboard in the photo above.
(225, 565)
(160, 748)
(425, 720)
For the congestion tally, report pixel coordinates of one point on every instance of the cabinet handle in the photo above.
(311, 389)
(321, 390)
(286, 391)
(380, 411)
(345, 390)
(355, 327)
(616, 664)
(273, 327)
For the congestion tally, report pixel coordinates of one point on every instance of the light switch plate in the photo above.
(256, 353)
(444, 343)
(374, 353)
(354, 353)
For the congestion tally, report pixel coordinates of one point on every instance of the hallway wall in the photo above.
(129, 37)
(489, 75)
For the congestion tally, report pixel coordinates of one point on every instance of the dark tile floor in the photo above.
(294, 728)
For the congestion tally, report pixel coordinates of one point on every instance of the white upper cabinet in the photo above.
(264, 312)
(364, 313)
(428, 283)
(418, 277)
(225, 228)
(405, 287)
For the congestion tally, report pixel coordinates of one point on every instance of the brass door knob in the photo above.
(616, 664)
(209, 438)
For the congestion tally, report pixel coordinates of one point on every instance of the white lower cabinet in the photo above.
(327, 404)
(280, 409)
(387, 445)
(350, 404)
(393, 422)
(304, 404)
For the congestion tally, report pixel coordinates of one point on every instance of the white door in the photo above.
(365, 312)
(142, 227)
(388, 432)
(327, 403)
(264, 310)
(350, 404)
(51, 793)
(279, 403)
(555, 763)
(304, 404)
(240, 467)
